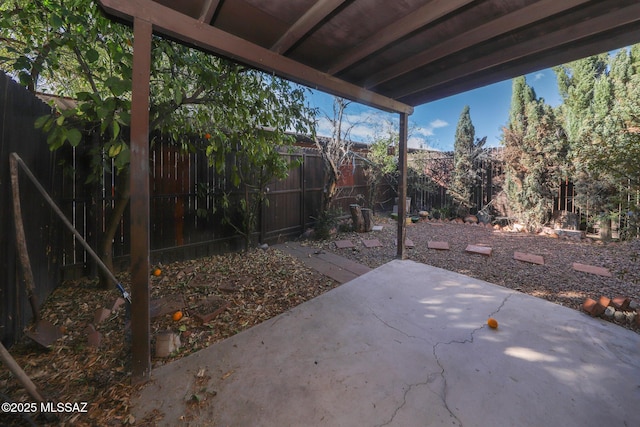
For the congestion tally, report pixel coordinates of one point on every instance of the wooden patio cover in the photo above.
(388, 54)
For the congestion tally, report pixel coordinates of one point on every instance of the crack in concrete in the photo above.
(443, 394)
(394, 328)
(404, 402)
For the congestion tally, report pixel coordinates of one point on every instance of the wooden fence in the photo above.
(185, 192)
(18, 111)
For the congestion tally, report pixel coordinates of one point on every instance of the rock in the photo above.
(166, 343)
(619, 316)
(497, 227)
(423, 214)
(547, 230)
(631, 316)
(264, 246)
(471, 219)
(620, 302)
(633, 305)
(308, 234)
(609, 312)
(518, 228)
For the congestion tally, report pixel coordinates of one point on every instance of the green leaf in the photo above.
(114, 150)
(74, 136)
(41, 121)
(92, 55)
(116, 129)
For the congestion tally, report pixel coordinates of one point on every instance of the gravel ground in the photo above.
(555, 281)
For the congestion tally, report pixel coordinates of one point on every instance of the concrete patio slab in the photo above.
(407, 345)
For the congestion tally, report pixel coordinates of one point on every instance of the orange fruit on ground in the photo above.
(177, 315)
(157, 272)
(493, 323)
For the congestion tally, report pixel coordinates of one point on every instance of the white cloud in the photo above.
(438, 123)
(364, 124)
(538, 76)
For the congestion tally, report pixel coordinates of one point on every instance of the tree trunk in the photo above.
(605, 229)
(106, 247)
(358, 220)
(368, 219)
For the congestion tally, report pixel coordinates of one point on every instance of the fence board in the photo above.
(18, 111)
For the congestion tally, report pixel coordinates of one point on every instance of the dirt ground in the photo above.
(555, 281)
(246, 289)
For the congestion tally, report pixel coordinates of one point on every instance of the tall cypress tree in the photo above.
(587, 91)
(466, 150)
(601, 103)
(534, 156)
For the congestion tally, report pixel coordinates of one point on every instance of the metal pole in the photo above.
(15, 157)
(140, 324)
(402, 184)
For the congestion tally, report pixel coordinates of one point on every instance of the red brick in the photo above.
(526, 257)
(621, 303)
(117, 304)
(443, 246)
(372, 243)
(94, 339)
(604, 301)
(477, 249)
(592, 269)
(592, 307)
(101, 315)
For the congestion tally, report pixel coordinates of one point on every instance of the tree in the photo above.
(71, 48)
(382, 163)
(336, 151)
(534, 155)
(602, 96)
(466, 150)
(586, 90)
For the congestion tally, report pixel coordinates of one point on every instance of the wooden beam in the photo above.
(314, 15)
(521, 51)
(139, 170)
(168, 22)
(402, 185)
(611, 40)
(502, 25)
(417, 19)
(208, 10)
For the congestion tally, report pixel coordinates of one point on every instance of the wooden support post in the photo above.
(140, 209)
(402, 183)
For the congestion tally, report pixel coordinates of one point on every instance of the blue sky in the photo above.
(434, 124)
